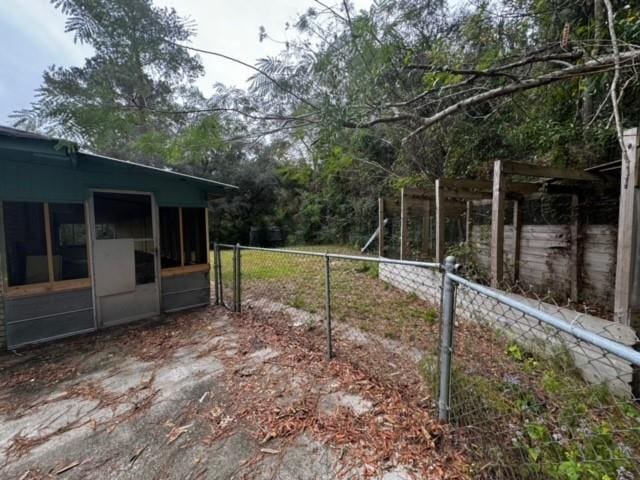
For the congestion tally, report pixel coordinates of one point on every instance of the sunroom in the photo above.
(88, 242)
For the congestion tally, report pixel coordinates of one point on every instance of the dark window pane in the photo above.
(169, 237)
(121, 215)
(26, 243)
(145, 265)
(69, 241)
(193, 224)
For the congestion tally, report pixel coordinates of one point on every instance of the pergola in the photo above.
(457, 195)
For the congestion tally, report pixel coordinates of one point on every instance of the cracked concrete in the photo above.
(128, 430)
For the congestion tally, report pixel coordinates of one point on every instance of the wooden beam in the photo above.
(186, 270)
(627, 226)
(47, 236)
(517, 231)
(45, 288)
(404, 234)
(381, 227)
(464, 194)
(426, 230)
(88, 237)
(574, 254)
(464, 184)
(439, 223)
(530, 170)
(206, 229)
(497, 226)
(181, 237)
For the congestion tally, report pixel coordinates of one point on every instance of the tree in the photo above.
(109, 104)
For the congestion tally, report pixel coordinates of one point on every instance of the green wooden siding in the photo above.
(33, 175)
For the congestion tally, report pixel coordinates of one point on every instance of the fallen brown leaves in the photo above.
(398, 430)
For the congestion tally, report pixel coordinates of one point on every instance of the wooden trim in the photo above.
(497, 226)
(47, 236)
(181, 236)
(206, 233)
(48, 287)
(381, 227)
(464, 184)
(177, 271)
(88, 237)
(530, 170)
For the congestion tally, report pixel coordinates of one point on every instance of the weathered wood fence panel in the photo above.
(545, 256)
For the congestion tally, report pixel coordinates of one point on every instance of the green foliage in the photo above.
(315, 179)
(110, 104)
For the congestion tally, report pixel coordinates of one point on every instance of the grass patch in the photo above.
(536, 418)
(358, 296)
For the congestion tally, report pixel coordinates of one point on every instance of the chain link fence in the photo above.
(530, 389)
(535, 393)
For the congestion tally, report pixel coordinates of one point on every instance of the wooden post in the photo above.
(439, 223)
(575, 261)
(517, 230)
(181, 237)
(468, 226)
(49, 244)
(497, 226)
(404, 237)
(206, 229)
(426, 230)
(627, 225)
(381, 227)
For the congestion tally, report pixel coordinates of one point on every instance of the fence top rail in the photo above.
(338, 256)
(623, 351)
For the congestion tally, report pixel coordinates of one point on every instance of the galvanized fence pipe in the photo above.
(340, 256)
(611, 346)
(218, 273)
(235, 278)
(446, 340)
(238, 284)
(216, 281)
(327, 283)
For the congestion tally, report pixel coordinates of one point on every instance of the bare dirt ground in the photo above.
(210, 394)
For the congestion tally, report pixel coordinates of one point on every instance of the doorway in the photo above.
(125, 251)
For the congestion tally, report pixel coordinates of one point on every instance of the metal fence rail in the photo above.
(537, 395)
(529, 390)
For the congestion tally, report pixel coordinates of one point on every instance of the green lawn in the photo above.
(358, 297)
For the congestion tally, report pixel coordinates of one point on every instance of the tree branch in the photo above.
(598, 65)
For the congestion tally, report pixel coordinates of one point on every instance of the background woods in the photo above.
(357, 103)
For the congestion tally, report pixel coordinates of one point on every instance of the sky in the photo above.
(33, 38)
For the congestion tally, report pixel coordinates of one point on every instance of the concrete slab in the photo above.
(162, 409)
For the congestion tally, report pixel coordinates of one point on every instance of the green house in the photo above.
(88, 242)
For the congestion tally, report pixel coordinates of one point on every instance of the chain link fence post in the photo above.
(216, 281)
(235, 278)
(327, 291)
(446, 339)
(238, 283)
(219, 273)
